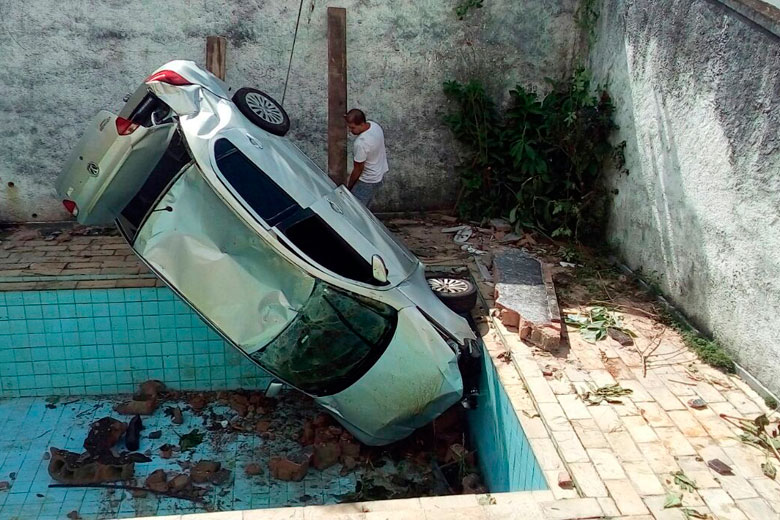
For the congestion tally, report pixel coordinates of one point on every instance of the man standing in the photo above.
(370, 158)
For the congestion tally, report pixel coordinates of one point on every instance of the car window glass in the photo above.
(253, 185)
(333, 341)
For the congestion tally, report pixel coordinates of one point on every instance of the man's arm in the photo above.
(357, 169)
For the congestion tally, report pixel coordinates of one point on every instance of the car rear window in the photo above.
(335, 339)
(253, 185)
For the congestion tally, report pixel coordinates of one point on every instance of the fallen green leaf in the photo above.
(190, 440)
(769, 469)
(672, 500)
(684, 481)
(692, 513)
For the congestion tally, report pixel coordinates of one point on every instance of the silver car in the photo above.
(288, 267)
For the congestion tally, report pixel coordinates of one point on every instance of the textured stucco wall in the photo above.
(63, 60)
(697, 89)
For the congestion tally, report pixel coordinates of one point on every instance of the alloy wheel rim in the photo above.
(448, 285)
(264, 108)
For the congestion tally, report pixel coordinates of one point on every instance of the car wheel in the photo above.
(456, 293)
(262, 110)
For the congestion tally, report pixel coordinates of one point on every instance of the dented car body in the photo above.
(289, 268)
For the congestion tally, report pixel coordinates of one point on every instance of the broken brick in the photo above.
(151, 388)
(202, 471)
(252, 469)
(326, 454)
(136, 407)
(564, 480)
(291, 468)
(157, 481)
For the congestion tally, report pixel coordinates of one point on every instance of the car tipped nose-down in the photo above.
(288, 267)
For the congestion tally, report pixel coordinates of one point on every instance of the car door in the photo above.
(108, 166)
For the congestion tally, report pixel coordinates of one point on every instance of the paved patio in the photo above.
(621, 456)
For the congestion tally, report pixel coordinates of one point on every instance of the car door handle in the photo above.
(335, 207)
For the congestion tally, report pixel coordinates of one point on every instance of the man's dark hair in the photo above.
(355, 117)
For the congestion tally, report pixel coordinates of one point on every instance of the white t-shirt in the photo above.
(370, 149)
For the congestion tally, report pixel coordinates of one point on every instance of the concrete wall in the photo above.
(697, 89)
(61, 61)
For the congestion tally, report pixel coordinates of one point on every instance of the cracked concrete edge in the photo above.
(761, 13)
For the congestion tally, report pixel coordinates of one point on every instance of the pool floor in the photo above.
(30, 426)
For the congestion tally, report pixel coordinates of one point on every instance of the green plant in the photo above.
(540, 162)
(708, 350)
(770, 402)
(465, 6)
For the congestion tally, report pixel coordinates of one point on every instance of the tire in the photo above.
(262, 110)
(458, 294)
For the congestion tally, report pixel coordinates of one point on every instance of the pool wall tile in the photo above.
(102, 341)
(505, 457)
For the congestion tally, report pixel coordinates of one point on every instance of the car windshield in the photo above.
(333, 341)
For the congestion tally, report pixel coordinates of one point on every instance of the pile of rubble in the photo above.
(295, 440)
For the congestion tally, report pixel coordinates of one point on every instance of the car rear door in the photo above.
(106, 169)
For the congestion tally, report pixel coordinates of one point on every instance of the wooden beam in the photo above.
(216, 51)
(337, 94)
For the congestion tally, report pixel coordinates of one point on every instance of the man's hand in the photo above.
(357, 170)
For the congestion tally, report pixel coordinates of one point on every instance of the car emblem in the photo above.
(93, 169)
(103, 123)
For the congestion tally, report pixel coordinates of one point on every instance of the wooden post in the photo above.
(337, 94)
(216, 50)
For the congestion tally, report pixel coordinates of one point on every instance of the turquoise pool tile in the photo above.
(37, 340)
(84, 310)
(119, 336)
(102, 323)
(5, 343)
(41, 367)
(67, 311)
(99, 295)
(154, 349)
(133, 309)
(166, 307)
(106, 365)
(22, 354)
(51, 312)
(152, 335)
(82, 296)
(88, 351)
(31, 298)
(150, 308)
(13, 298)
(33, 312)
(184, 334)
(56, 353)
(119, 322)
(88, 338)
(136, 336)
(52, 326)
(17, 327)
(48, 297)
(100, 310)
(132, 295)
(104, 337)
(35, 326)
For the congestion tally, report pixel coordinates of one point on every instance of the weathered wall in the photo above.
(697, 89)
(61, 61)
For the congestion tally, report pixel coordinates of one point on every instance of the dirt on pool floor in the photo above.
(217, 451)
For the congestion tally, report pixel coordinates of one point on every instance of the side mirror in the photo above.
(274, 387)
(379, 269)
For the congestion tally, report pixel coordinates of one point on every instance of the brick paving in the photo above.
(67, 256)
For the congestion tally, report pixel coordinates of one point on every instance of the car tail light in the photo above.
(168, 76)
(125, 126)
(71, 207)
